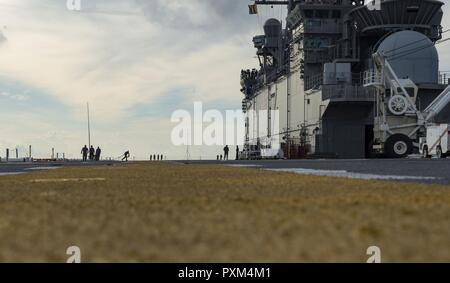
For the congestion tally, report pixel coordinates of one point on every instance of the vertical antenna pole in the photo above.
(89, 126)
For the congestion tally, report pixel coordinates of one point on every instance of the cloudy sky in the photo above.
(134, 61)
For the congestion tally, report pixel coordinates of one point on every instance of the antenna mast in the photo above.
(89, 125)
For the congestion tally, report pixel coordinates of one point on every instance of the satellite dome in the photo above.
(412, 55)
(272, 28)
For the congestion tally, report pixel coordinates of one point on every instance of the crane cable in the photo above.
(417, 49)
(410, 44)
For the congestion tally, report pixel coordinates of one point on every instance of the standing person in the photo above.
(98, 152)
(151, 157)
(154, 157)
(226, 149)
(84, 152)
(126, 155)
(91, 153)
(237, 152)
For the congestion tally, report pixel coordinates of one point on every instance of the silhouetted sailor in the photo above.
(151, 157)
(98, 152)
(84, 152)
(237, 152)
(91, 153)
(126, 155)
(226, 149)
(154, 157)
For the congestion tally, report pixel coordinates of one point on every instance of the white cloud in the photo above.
(113, 61)
(3, 39)
(18, 97)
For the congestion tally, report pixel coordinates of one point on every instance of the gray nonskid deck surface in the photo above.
(410, 170)
(435, 171)
(18, 168)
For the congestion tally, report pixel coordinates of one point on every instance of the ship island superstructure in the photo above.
(318, 70)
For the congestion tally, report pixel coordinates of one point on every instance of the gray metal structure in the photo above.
(413, 55)
(328, 45)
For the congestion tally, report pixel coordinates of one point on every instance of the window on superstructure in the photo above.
(322, 14)
(314, 23)
(336, 14)
(309, 13)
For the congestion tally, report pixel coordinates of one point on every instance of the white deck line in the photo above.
(350, 175)
(10, 173)
(43, 168)
(244, 165)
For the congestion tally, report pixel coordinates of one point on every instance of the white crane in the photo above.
(397, 120)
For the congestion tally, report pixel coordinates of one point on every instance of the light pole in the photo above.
(89, 126)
